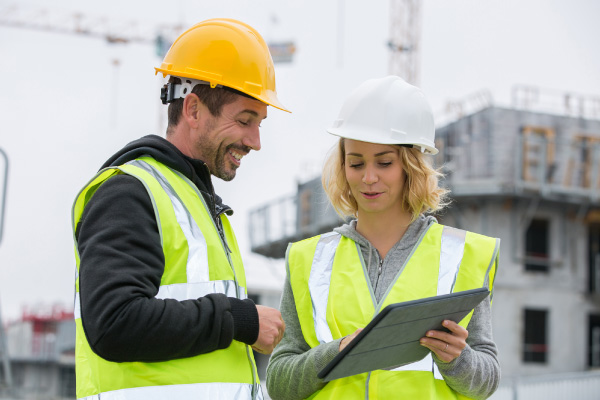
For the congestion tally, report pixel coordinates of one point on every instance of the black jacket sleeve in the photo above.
(121, 266)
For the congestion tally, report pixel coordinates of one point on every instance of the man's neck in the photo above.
(181, 138)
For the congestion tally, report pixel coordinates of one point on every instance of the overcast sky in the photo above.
(65, 106)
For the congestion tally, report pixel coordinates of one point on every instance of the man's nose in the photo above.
(252, 139)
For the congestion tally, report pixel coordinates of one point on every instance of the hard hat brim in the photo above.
(379, 138)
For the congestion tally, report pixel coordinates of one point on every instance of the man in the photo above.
(161, 303)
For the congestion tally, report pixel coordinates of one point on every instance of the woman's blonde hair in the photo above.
(422, 193)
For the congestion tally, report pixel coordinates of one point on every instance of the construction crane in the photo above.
(111, 29)
(404, 41)
(114, 31)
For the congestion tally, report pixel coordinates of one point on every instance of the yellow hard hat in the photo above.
(224, 52)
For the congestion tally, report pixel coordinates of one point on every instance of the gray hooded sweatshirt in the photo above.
(293, 367)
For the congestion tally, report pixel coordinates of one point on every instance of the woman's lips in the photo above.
(371, 195)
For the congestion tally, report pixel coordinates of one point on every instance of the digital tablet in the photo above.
(391, 339)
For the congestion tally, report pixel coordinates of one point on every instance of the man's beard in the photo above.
(221, 171)
(217, 159)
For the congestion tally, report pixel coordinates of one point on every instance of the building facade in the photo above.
(41, 348)
(533, 180)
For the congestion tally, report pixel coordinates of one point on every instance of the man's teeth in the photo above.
(235, 155)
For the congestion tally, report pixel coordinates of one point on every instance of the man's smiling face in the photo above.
(225, 139)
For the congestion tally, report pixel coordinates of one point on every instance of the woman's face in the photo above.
(375, 175)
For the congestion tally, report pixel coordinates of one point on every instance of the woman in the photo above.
(391, 251)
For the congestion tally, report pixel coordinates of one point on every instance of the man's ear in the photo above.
(192, 108)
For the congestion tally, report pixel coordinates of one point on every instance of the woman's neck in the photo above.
(382, 229)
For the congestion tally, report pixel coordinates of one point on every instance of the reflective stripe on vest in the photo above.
(197, 263)
(318, 283)
(452, 249)
(192, 391)
(186, 291)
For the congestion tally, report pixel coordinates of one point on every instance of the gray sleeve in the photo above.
(476, 372)
(293, 367)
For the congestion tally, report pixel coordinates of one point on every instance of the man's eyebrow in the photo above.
(251, 112)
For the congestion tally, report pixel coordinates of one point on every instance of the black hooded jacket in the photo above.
(122, 263)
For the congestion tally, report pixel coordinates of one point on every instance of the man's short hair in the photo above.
(213, 98)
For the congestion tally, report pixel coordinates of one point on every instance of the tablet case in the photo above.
(391, 339)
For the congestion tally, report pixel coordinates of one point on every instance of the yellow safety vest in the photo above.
(196, 264)
(334, 297)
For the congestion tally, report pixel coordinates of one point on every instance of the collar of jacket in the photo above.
(167, 153)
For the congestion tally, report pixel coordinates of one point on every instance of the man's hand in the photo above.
(270, 331)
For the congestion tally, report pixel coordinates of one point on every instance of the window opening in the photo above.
(594, 341)
(535, 347)
(537, 254)
(594, 258)
(538, 154)
(589, 146)
(582, 166)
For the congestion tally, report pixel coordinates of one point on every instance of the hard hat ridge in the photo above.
(387, 111)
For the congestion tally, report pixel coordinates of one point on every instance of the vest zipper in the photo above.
(228, 252)
(222, 234)
(379, 269)
(217, 217)
(212, 209)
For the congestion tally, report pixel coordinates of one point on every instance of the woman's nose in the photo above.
(370, 176)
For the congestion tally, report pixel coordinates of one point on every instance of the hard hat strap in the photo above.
(173, 91)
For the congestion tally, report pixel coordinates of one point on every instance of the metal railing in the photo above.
(565, 167)
(273, 221)
(575, 385)
(291, 218)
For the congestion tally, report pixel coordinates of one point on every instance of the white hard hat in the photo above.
(387, 111)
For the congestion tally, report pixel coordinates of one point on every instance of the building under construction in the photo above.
(42, 356)
(530, 178)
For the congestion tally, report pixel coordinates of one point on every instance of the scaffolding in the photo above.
(517, 153)
(290, 218)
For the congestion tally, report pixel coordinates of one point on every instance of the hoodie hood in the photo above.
(158, 148)
(167, 153)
